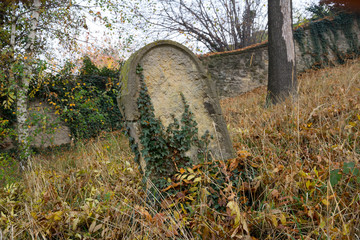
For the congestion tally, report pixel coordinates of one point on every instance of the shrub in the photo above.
(86, 102)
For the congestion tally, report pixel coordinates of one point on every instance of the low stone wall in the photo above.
(319, 43)
(46, 128)
(238, 72)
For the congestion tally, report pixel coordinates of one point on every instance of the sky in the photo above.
(301, 4)
(100, 37)
(299, 7)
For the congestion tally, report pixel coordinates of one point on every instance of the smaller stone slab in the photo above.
(47, 130)
(170, 71)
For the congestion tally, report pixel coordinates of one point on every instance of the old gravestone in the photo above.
(169, 71)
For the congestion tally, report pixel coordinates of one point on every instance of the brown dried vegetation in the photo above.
(296, 176)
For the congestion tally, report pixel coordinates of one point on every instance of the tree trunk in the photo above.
(282, 65)
(22, 90)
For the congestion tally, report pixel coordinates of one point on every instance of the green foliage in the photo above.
(85, 102)
(8, 166)
(165, 150)
(9, 172)
(5, 129)
(345, 22)
(335, 177)
(349, 171)
(299, 36)
(324, 36)
(318, 11)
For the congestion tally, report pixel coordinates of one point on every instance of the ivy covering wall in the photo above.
(83, 99)
(328, 41)
(320, 43)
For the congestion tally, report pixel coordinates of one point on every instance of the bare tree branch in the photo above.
(220, 25)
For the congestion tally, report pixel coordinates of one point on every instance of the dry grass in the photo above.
(92, 191)
(297, 145)
(304, 182)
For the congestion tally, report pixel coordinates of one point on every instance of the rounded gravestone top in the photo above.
(130, 82)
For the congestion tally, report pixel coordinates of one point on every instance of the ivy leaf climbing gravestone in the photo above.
(171, 110)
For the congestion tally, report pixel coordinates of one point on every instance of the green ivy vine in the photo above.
(324, 35)
(299, 36)
(165, 149)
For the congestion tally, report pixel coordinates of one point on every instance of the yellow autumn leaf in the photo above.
(353, 124)
(182, 207)
(33, 214)
(97, 228)
(274, 220)
(198, 179)
(302, 173)
(183, 177)
(322, 222)
(316, 172)
(190, 177)
(92, 226)
(325, 202)
(346, 229)
(235, 210)
(57, 215)
(176, 215)
(283, 219)
(75, 223)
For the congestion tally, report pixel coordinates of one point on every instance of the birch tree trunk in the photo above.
(23, 87)
(282, 81)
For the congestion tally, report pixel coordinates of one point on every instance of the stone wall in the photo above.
(317, 44)
(46, 128)
(238, 72)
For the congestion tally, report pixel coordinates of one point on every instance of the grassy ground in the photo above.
(296, 176)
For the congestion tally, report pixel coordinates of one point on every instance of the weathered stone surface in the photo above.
(46, 128)
(235, 73)
(170, 70)
(243, 70)
(336, 43)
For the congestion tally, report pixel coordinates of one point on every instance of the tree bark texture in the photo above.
(282, 80)
(23, 87)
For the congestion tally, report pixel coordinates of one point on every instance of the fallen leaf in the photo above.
(275, 193)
